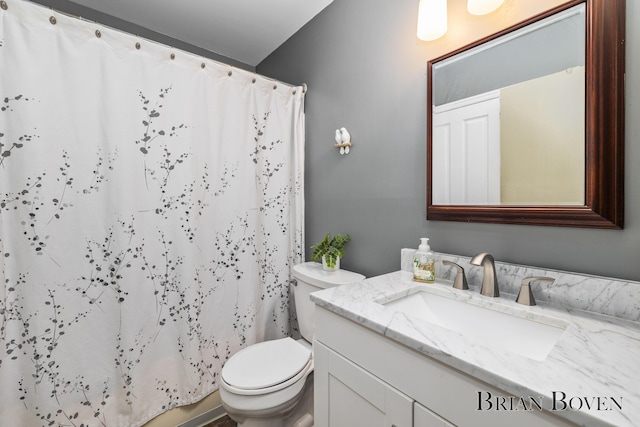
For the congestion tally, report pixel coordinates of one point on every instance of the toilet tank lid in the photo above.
(266, 364)
(313, 273)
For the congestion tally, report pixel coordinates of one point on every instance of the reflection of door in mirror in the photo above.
(466, 151)
(530, 154)
(509, 118)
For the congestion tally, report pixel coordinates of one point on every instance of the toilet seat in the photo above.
(267, 367)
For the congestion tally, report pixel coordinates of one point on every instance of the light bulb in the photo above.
(432, 19)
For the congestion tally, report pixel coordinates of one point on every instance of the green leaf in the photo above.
(330, 247)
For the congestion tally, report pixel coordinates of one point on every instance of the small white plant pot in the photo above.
(325, 267)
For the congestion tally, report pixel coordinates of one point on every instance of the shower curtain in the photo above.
(151, 209)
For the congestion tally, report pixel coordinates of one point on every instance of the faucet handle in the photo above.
(525, 296)
(460, 281)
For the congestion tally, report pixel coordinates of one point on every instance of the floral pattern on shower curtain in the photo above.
(151, 210)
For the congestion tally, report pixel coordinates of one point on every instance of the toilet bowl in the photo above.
(270, 384)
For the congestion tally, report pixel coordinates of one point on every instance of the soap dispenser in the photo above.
(424, 263)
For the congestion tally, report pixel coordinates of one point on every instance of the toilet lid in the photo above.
(312, 273)
(265, 364)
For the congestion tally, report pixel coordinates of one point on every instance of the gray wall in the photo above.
(366, 70)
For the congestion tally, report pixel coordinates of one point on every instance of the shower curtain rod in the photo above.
(70, 15)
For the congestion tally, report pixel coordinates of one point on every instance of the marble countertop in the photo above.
(596, 361)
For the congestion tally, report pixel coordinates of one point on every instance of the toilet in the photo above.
(270, 384)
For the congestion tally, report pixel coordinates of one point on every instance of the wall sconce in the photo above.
(343, 140)
(432, 15)
(482, 7)
(432, 19)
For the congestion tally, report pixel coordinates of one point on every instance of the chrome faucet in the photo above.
(490, 280)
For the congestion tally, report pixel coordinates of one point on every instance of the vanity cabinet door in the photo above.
(423, 417)
(347, 396)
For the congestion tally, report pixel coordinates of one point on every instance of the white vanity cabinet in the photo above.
(423, 417)
(354, 396)
(365, 379)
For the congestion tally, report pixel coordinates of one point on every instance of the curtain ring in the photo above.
(138, 45)
(275, 87)
(3, 5)
(253, 81)
(229, 73)
(98, 34)
(172, 56)
(53, 20)
(202, 65)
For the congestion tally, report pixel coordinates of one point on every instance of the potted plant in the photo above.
(330, 250)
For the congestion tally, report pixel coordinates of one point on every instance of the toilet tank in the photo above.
(310, 277)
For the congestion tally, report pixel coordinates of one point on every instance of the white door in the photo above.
(466, 151)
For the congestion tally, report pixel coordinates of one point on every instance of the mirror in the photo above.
(527, 125)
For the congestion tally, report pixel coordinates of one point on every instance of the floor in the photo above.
(222, 422)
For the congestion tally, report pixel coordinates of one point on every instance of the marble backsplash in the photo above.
(611, 297)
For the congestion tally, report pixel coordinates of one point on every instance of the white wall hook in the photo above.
(343, 140)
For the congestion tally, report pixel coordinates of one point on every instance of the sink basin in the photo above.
(488, 327)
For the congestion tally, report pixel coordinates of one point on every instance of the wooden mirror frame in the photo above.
(604, 131)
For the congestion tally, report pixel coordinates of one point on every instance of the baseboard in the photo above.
(207, 417)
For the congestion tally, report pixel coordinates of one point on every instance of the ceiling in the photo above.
(244, 30)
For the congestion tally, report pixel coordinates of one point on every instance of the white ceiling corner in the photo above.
(244, 30)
